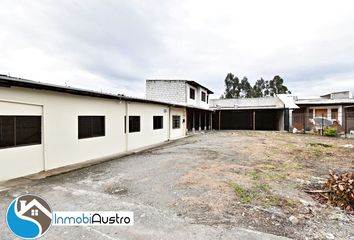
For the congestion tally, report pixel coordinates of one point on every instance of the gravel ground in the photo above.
(219, 185)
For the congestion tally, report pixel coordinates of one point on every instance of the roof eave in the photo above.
(6, 81)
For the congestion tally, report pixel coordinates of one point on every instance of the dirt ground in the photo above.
(258, 180)
(223, 185)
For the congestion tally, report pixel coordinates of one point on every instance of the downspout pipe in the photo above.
(169, 123)
(126, 119)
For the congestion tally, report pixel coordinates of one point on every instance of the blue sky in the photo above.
(113, 46)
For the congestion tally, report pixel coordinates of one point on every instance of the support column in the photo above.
(341, 113)
(200, 121)
(211, 121)
(219, 119)
(193, 128)
(254, 120)
(345, 121)
(205, 121)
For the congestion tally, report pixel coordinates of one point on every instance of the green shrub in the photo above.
(330, 131)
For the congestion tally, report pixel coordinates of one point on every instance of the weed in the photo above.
(254, 174)
(246, 196)
(330, 132)
(275, 200)
(316, 144)
(262, 186)
(260, 194)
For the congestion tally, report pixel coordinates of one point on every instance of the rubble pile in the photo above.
(340, 191)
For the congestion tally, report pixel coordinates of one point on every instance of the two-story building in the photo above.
(186, 93)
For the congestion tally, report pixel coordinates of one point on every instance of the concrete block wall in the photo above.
(171, 91)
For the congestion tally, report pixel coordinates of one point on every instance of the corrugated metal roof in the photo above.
(288, 100)
(247, 103)
(6, 81)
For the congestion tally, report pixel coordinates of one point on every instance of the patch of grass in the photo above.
(254, 174)
(279, 172)
(275, 200)
(317, 150)
(260, 195)
(262, 186)
(316, 144)
(276, 176)
(268, 167)
(246, 196)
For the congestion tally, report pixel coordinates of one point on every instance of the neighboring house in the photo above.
(330, 109)
(186, 93)
(268, 113)
(46, 126)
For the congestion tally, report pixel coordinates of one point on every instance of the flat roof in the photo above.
(323, 101)
(191, 82)
(7, 81)
(329, 94)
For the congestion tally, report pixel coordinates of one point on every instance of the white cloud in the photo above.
(115, 45)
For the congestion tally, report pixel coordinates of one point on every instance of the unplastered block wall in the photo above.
(172, 91)
(147, 135)
(60, 125)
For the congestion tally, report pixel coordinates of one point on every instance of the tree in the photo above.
(276, 86)
(266, 89)
(232, 86)
(279, 86)
(246, 89)
(258, 88)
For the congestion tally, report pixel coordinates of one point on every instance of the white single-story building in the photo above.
(45, 126)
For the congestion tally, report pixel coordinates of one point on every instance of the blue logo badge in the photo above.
(29, 217)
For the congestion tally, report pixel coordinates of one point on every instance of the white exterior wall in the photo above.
(280, 117)
(20, 161)
(60, 127)
(181, 132)
(146, 135)
(60, 144)
(190, 101)
(197, 102)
